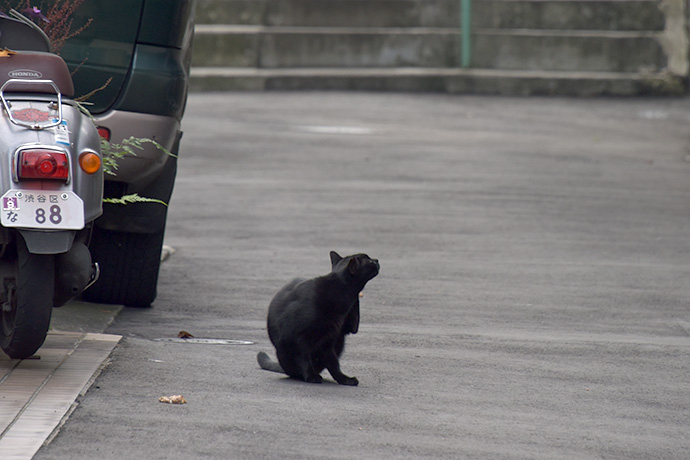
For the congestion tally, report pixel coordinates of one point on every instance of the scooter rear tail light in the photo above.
(43, 164)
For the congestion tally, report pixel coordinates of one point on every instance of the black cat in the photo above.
(309, 319)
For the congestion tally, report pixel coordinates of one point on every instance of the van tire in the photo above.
(129, 264)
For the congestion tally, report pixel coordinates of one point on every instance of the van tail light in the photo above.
(43, 164)
(104, 133)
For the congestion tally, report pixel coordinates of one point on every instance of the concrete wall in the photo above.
(623, 46)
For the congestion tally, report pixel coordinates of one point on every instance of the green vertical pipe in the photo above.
(465, 33)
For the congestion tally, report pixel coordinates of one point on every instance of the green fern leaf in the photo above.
(133, 198)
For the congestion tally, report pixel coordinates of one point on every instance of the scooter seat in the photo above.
(35, 65)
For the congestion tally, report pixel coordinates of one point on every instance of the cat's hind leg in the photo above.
(299, 368)
(309, 373)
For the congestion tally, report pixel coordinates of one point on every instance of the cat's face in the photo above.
(360, 266)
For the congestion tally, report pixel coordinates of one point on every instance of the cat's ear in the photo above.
(352, 265)
(335, 258)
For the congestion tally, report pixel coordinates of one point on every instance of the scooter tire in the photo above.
(25, 327)
(129, 264)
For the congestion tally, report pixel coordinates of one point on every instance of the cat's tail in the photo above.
(268, 364)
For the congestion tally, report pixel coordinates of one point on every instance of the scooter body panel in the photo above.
(45, 207)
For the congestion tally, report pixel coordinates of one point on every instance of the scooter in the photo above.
(51, 189)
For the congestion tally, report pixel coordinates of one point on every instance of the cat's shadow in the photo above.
(291, 381)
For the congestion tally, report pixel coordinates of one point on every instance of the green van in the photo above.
(133, 61)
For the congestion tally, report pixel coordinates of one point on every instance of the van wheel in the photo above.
(129, 264)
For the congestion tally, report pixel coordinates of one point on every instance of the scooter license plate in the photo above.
(42, 209)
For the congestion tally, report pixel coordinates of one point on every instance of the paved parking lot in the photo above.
(533, 301)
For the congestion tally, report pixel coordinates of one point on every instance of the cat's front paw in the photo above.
(351, 381)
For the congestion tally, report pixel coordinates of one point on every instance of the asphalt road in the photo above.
(533, 300)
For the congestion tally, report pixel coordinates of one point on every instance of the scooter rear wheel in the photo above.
(29, 303)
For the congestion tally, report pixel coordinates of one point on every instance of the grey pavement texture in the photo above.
(533, 300)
